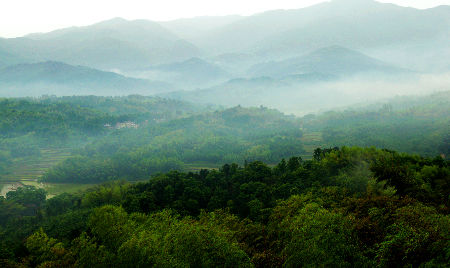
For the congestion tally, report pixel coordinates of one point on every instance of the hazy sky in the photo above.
(19, 17)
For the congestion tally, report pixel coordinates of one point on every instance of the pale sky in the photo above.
(20, 17)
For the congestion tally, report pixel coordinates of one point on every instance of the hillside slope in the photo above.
(62, 79)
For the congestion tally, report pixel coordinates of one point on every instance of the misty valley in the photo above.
(311, 137)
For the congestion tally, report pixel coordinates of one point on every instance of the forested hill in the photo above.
(86, 114)
(29, 126)
(21, 116)
(409, 124)
(348, 207)
(241, 134)
(61, 79)
(209, 139)
(141, 107)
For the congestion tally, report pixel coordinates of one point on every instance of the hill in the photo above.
(62, 79)
(188, 28)
(191, 73)
(309, 83)
(7, 58)
(112, 44)
(239, 91)
(334, 60)
(392, 32)
(349, 207)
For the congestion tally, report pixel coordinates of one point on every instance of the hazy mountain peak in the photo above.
(352, 1)
(195, 60)
(113, 21)
(194, 66)
(355, 4)
(53, 77)
(338, 52)
(335, 49)
(333, 60)
(46, 70)
(112, 44)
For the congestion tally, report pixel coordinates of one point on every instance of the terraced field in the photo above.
(27, 172)
(32, 169)
(311, 141)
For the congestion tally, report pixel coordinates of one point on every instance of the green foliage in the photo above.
(138, 107)
(427, 179)
(47, 252)
(418, 234)
(27, 195)
(60, 204)
(419, 125)
(90, 254)
(31, 125)
(27, 126)
(167, 241)
(67, 226)
(314, 236)
(232, 135)
(20, 116)
(348, 207)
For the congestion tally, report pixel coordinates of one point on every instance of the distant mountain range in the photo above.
(193, 28)
(62, 79)
(266, 52)
(391, 33)
(334, 60)
(364, 25)
(314, 81)
(113, 44)
(191, 73)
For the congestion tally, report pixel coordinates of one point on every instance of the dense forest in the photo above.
(291, 193)
(28, 125)
(418, 125)
(232, 135)
(348, 207)
(303, 135)
(166, 135)
(239, 134)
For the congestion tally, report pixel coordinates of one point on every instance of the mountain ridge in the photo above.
(107, 45)
(61, 78)
(332, 60)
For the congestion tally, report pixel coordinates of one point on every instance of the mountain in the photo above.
(193, 27)
(233, 92)
(334, 60)
(406, 37)
(62, 79)
(285, 93)
(194, 67)
(389, 32)
(235, 63)
(7, 58)
(113, 44)
(394, 34)
(191, 73)
(325, 78)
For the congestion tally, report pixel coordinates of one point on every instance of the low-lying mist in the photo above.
(310, 97)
